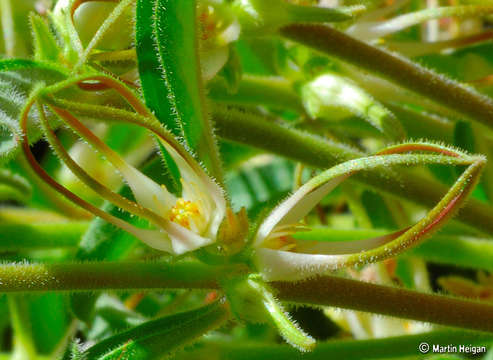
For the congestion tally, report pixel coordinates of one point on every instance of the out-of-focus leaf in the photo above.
(386, 348)
(468, 64)
(257, 187)
(235, 154)
(377, 211)
(16, 184)
(45, 45)
(49, 320)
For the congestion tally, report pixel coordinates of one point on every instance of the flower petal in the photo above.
(209, 191)
(277, 265)
(297, 206)
(184, 240)
(147, 192)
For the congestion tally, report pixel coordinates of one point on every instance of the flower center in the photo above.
(184, 212)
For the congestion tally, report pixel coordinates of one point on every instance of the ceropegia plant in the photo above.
(217, 178)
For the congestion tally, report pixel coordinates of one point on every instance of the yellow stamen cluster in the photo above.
(183, 212)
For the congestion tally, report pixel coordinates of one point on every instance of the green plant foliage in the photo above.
(233, 179)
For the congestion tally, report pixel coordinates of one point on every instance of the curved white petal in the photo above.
(156, 239)
(297, 206)
(184, 240)
(148, 193)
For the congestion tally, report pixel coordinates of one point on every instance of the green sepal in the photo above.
(252, 300)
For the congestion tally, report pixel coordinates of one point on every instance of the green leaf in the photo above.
(159, 338)
(50, 320)
(154, 84)
(377, 210)
(257, 187)
(17, 77)
(175, 30)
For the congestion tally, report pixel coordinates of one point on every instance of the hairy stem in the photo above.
(326, 291)
(253, 90)
(107, 276)
(386, 300)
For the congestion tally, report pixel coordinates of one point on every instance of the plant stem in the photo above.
(386, 300)
(326, 291)
(393, 67)
(107, 276)
(257, 131)
(254, 90)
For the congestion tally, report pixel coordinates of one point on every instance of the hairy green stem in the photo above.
(386, 300)
(254, 90)
(393, 67)
(251, 129)
(327, 291)
(106, 276)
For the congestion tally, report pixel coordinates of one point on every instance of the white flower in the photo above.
(280, 256)
(187, 222)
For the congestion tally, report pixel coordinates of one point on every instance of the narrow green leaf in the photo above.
(153, 81)
(177, 41)
(160, 338)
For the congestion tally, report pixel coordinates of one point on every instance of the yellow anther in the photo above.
(183, 212)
